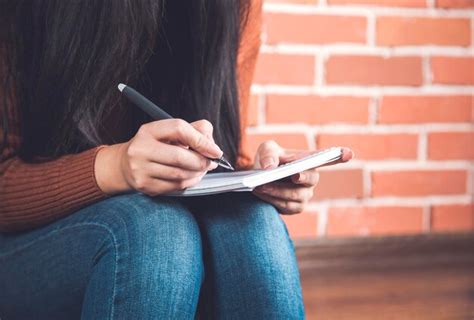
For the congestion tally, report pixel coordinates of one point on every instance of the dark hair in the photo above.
(67, 58)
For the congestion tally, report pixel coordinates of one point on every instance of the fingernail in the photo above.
(302, 177)
(221, 153)
(216, 151)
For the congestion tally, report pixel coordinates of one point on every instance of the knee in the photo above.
(267, 232)
(137, 217)
(256, 228)
(260, 220)
(252, 236)
(152, 238)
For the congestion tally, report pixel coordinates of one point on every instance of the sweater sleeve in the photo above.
(246, 62)
(32, 195)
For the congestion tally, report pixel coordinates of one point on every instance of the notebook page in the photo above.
(216, 180)
(291, 168)
(247, 180)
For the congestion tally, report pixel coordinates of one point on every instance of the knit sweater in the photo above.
(35, 194)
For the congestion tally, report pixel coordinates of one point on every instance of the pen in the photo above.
(159, 114)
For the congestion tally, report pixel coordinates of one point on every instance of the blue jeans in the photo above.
(133, 257)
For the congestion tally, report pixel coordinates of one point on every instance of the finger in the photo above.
(169, 173)
(284, 207)
(347, 154)
(292, 155)
(205, 127)
(298, 152)
(178, 130)
(285, 158)
(153, 187)
(269, 154)
(175, 156)
(287, 191)
(307, 178)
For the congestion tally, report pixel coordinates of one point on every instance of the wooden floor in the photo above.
(427, 277)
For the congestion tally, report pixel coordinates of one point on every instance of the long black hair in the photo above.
(67, 58)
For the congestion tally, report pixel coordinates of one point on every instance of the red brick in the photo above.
(374, 70)
(393, 3)
(418, 183)
(285, 69)
(363, 221)
(453, 70)
(421, 109)
(396, 31)
(373, 146)
(452, 218)
(317, 109)
(286, 140)
(294, 28)
(336, 184)
(455, 3)
(303, 225)
(451, 146)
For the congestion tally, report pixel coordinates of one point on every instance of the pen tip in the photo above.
(227, 164)
(121, 86)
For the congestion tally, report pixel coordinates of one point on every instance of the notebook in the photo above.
(241, 181)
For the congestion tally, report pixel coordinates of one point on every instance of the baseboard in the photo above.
(385, 252)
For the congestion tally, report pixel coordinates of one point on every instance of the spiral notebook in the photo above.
(213, 183)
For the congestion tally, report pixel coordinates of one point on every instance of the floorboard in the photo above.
(389, 278)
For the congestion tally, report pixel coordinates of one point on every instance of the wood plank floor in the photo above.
(391, 278)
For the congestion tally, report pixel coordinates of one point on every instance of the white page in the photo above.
(215, 180)
(313, 161)
(213, 183)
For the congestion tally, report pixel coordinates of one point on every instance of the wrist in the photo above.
(108, 172)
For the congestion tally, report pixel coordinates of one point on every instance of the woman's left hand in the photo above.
(289, 196)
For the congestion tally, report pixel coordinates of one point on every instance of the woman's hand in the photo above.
(291, 195)
(158, 159)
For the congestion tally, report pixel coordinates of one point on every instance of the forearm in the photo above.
(32, 195)
(108, 170)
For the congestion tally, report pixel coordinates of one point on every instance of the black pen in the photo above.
(159, 114)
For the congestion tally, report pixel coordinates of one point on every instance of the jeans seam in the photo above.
(114, 239)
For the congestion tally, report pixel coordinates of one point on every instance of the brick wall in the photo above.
(393, 80)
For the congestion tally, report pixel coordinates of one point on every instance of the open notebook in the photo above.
(247, 180)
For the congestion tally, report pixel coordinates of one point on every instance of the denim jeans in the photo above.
(134, 257)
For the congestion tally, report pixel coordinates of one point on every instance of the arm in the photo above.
(32, 195)
(289, 197)
(35, 194)
(153, 162)
(247, 59)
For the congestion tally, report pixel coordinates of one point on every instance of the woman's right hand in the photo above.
(158, 159)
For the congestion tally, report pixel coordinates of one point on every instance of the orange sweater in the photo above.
(32, 195)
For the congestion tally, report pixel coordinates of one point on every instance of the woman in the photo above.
(85, 230)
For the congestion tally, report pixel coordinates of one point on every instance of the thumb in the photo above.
(269, 154)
